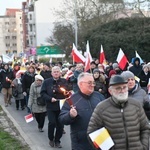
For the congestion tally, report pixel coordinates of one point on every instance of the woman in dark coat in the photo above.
(27, 80)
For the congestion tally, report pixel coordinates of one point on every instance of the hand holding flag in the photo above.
(101, 139)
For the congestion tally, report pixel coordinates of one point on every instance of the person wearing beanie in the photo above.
(116, 68)
(115, 65)
(135, 91)
(144, 77)
(122, 117)
(46, 71)
(39, 111)
(111, 73)
(99, 79)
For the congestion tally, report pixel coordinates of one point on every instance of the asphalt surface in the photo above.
(29, 131)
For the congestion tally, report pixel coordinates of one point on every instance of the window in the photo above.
(14, 44)
(7, 45)
(13, 37)
(30, 17)
(7, 37)
(31, 28)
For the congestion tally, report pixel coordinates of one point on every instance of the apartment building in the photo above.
(11, 32)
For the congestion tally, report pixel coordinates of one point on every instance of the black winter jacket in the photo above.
(85, 106)
(6, 73)
(51, 89)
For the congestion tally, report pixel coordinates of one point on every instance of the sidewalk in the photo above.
(29, 131)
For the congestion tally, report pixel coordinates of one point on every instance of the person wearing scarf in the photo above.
(17, 86)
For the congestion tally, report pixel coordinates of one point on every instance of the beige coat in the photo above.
(32, 103)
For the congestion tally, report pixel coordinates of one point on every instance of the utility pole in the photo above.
(76, 25)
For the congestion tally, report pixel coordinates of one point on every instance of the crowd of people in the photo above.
(104, 96)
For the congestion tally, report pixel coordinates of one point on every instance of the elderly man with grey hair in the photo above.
(52, 93)
(123, 117)
(77, 111)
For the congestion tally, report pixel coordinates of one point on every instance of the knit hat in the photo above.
(127, 74)
(115, 65)
(39, 77)
(96, 70)
(112, 72)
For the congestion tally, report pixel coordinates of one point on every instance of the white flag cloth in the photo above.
(29, 118)
(77, 56)
(6, 58)
(101, 139)
(121, 59)
(137, 55)
(88, 58)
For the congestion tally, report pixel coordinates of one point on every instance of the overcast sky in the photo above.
(9, 4)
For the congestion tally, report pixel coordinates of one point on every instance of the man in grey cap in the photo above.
(123, 117)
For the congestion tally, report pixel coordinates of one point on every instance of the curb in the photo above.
(27, 139)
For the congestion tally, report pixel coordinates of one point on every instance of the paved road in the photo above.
(29, 131)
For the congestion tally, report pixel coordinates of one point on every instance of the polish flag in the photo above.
(69, 74)
(122, 59)
(102, 58)
(88, 58)
(29, 118)
(77, 56)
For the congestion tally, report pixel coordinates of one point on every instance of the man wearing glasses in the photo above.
(77, 111)
(123, 117)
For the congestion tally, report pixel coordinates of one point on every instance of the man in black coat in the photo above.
(51, 93)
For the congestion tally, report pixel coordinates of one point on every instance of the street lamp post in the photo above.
(76, 26)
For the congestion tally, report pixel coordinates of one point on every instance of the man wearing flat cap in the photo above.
(123, 117)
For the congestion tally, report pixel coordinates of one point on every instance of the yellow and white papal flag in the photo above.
(61, 103)
(101, 139)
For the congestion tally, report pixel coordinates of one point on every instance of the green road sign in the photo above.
(48, 50)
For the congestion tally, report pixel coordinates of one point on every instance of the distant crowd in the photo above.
(27, 83)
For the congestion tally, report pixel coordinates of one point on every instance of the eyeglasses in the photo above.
(119, 89)
(90, 83)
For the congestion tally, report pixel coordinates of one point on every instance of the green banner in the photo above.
(48, 50)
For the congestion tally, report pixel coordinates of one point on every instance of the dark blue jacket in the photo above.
(85, 106)
(51, 89)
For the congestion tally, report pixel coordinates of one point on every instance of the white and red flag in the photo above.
(102, 58)
(77, 56)
(69, 74)
(88, 59)
(29, 118)
(122, 59)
